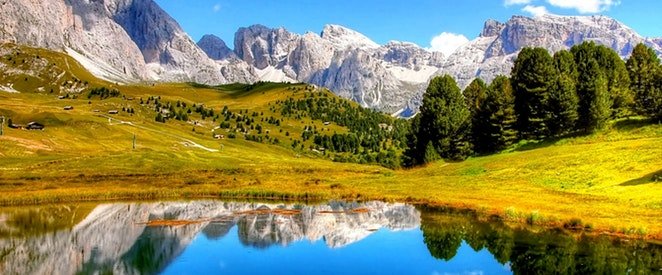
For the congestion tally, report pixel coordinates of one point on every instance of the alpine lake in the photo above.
(217, 237)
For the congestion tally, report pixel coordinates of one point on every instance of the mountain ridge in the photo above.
(136, 41)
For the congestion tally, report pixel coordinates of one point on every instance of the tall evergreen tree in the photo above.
(618, 80)
(532, 77)
(474, 97)
(592, 89)
(412, 155)
(644, 67)
(564, 63)
(444, 122)
(594, 108)
(563, 101)
(475, 94)
(656, 96)
(500, 105)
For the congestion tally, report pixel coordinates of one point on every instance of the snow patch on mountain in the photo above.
(410, 75)
(272, 74)
(99, 68)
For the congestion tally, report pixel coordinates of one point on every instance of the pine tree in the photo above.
(474, 97)
(644, 67)
(500, 105)
(564, 63)
(475, 94)
(656, 96)
(562, 105)
(594, 101)
(592, 89)
(431, 154)
(159, 118)
(444, 122)
(532, 77)
(563, 100)
(618, 81)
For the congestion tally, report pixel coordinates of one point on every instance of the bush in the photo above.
(103, 93)
(534, 218)
(573, 223)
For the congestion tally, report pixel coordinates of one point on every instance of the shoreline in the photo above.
(543, 218)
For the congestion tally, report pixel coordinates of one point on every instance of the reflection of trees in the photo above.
(551, 252)
(34, 221)
(546, 252)
(443, 241)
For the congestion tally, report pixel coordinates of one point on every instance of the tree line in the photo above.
(372, 137)
(546, 96)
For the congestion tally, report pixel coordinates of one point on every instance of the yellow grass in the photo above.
(605, 180)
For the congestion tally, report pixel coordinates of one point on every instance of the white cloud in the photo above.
(536, 11)
(447, 42)
(516, 2)
(585, 6)
(217, 8)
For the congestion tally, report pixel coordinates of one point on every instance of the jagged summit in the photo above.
(492, 28)
(215, 47)
(343, 38)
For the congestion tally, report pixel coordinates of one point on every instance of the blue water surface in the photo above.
(383, 252)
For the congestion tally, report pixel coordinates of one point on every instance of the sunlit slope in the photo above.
(605, 180)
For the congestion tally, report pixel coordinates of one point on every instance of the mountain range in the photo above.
(129, 41)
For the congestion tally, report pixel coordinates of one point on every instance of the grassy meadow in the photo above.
(600, 183)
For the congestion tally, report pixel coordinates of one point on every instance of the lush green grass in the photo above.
(602, 181)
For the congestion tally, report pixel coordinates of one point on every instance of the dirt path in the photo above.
(184, 141)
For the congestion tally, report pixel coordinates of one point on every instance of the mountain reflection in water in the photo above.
(371, 237)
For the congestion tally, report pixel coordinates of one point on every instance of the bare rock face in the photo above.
(343, 38)
(340, 59)
(658, 41)
(262, 47)
(215, 47)
(312, 55)
(170, 52)
(410, 55)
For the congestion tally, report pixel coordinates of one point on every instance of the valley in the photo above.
(602, 182)
(352, 137)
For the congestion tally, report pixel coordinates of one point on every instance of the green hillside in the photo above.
(295, 141)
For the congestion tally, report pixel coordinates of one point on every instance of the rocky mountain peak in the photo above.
(658, 41)
(263, 47)
(492, 28)
(342, 38)
(410, 55)
(215, 47)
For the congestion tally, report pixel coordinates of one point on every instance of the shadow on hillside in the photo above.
(626, 124)
(632, 123)
(655, 177)
(533, 144)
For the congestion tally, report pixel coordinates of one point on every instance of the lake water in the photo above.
(212, 237)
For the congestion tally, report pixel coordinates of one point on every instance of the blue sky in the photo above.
(418, 21)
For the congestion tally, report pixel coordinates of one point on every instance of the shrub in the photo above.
(573, 223)
(534, 218)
